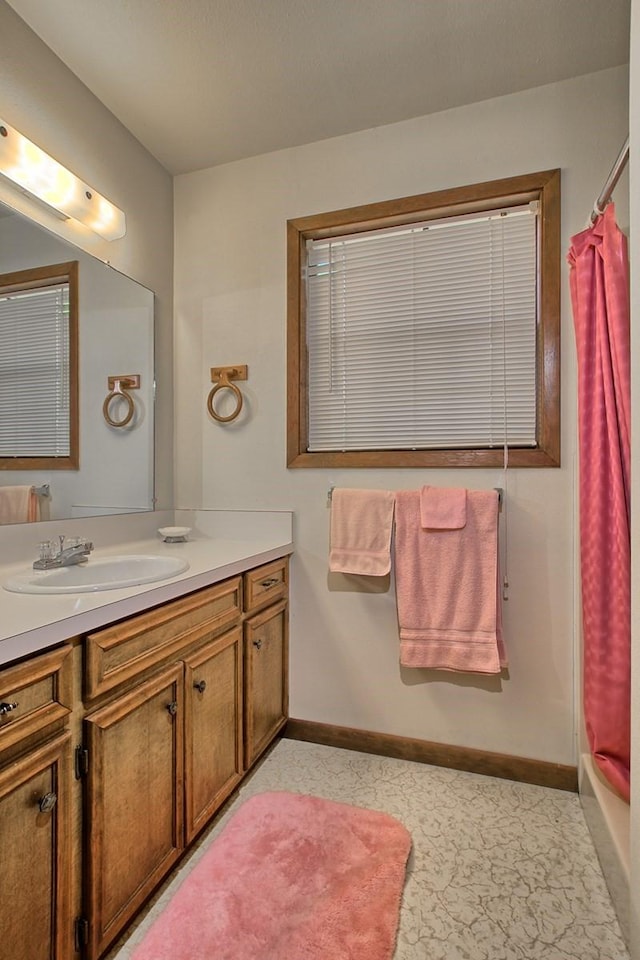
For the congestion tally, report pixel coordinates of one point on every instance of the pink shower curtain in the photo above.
(599, 279)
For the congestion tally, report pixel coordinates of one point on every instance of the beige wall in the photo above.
(43, 99)
(230, 308)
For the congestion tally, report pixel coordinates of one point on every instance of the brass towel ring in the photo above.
(224, 376)
(119, 387)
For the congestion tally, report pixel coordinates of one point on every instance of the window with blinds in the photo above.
(424, 337)
(425, 342)
(37, 368)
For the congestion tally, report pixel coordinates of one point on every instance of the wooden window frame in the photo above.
(543, 187)
(44, 277)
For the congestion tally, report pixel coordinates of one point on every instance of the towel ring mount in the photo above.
(222, 378)
(119, 387)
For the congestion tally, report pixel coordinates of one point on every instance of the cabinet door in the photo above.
(35, 873)
(133, 801)
(266, 678)
(213, 727)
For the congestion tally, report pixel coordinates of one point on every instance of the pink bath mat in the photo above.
(291, 877)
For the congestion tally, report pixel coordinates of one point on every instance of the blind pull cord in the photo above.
(505, 514)
(505, 461)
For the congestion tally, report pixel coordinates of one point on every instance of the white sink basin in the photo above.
(109, 573)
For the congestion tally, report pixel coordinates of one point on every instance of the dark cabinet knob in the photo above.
(173, 707)
(257, 644)
(47, 802)
(269, 583)
(200, 685)
(6, 708)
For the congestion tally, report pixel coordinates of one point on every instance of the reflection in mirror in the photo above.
(39, 368)
(115, 338)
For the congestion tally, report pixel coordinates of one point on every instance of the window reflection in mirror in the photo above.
(39, 368)
(115, 317)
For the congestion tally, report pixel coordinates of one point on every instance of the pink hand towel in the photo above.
(443, 508)
(361, 524)
(19, 505)
(447, 588)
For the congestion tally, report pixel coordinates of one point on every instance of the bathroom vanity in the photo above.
(119, 742)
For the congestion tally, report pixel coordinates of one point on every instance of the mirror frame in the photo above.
(41, 277)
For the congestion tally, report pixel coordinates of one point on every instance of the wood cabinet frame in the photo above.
(542, 187)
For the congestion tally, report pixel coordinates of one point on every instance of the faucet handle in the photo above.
(45, 548)
(80, 542)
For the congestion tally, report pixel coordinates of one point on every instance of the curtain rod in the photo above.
(610, 183)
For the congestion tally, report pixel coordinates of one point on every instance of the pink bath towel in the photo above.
(361, 525)
(447, 588)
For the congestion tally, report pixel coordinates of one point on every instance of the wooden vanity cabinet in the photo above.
(36, 778)
(109, 769)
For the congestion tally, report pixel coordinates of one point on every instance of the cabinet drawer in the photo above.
(125, 650)
(40, 688)
(266, 584)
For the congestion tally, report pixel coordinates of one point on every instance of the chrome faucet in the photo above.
(53, 553)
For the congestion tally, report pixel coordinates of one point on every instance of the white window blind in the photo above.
(424, 336)
(34, 372)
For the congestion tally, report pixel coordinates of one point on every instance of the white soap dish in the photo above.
(174, 534)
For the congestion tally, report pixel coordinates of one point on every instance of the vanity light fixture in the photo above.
(26, 165)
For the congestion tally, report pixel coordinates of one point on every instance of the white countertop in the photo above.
(34, 622)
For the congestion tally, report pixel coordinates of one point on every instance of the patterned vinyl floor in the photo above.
(499, 870)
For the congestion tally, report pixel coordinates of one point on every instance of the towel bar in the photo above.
(498, 490)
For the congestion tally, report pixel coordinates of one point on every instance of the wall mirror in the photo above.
(115, 326)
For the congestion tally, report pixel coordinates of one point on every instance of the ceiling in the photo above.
(203, 82)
